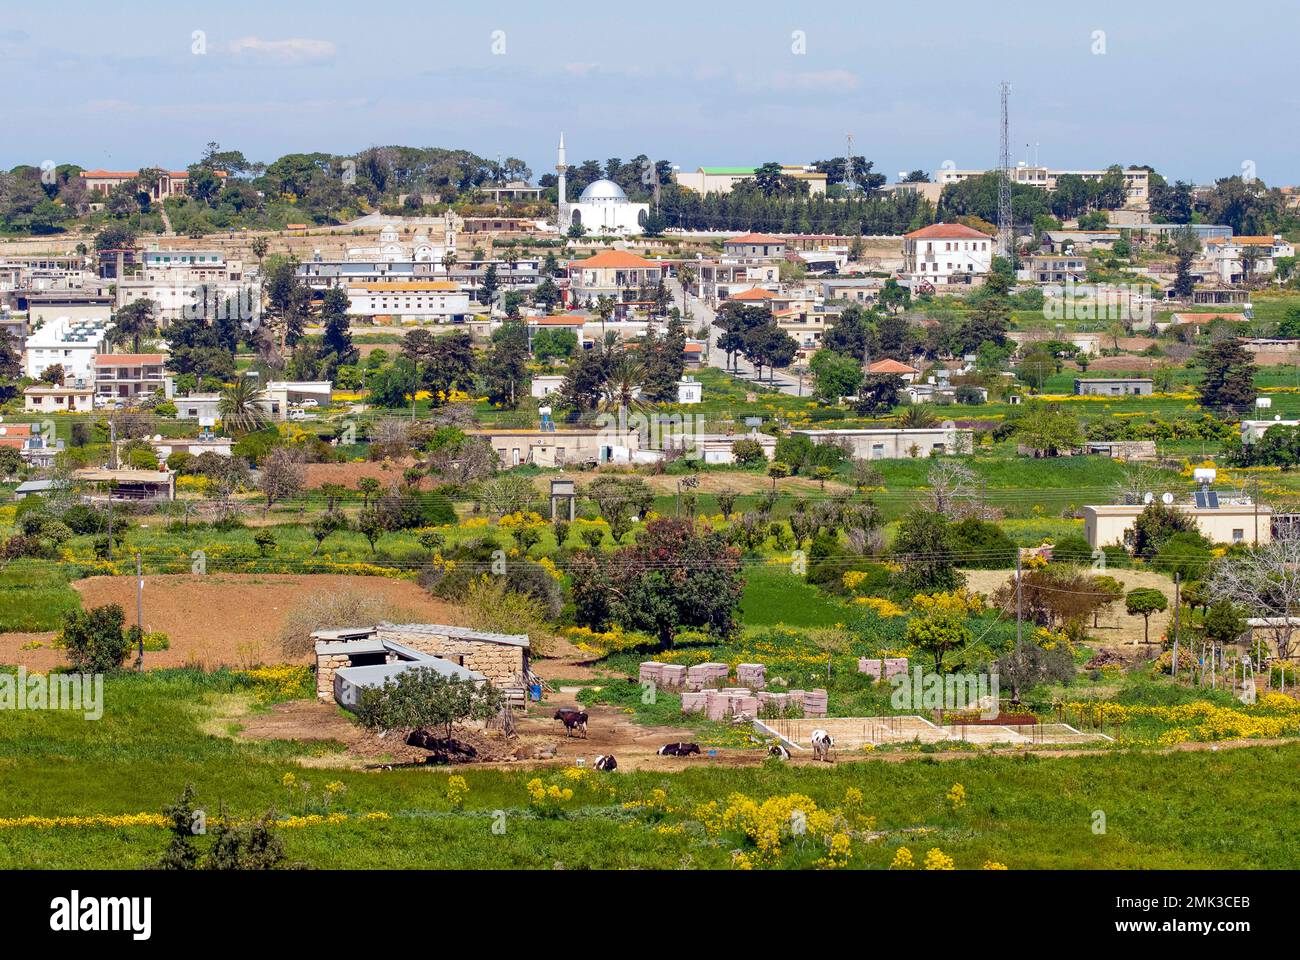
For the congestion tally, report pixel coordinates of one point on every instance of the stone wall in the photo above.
(326, 664)
(499, 662)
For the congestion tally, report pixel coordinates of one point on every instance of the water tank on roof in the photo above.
(1204, 475)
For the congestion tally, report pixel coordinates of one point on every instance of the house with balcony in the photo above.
(946, 254)
(613, 273)
(128, 377)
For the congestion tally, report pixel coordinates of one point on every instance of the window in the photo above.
(1238, 535)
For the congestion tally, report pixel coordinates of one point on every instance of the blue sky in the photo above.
(1191, 87)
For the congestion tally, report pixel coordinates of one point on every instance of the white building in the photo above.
(690, 390)
(602, 208)
(72, 344)
(946, 253)
(392, 249)
(1237, 259)
(437, 301)
(1137, 180)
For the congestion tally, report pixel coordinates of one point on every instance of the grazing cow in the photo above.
(778, 751)
(606, 764)
(573, 720)
(678, 749)
(821, 744)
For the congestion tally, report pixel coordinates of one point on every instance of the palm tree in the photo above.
(604, 310)
(240, 407)
(917, 417)
(623, 380)
(448, 261)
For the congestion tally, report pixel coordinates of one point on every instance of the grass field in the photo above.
(162, 730)
(34, 596)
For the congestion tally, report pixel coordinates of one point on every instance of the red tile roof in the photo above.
(890, 366)
(616, 259)
(121, 359)
(754, 294)
(946, 231)
(756, 238)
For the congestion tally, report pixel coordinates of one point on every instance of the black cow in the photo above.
(778, 751)
(606, 764)
(573, 720)
(678, 749)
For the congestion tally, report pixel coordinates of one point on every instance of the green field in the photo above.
(158, 733)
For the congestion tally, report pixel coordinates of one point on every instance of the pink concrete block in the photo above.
(672, 675)
(693, 702)
(895, 666)
(871, 668)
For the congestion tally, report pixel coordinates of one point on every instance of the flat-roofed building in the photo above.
(130, 376)
(1230, 522)
(1113, 387)
(436, 301)
(896, 444)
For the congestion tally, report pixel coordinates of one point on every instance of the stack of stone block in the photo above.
(662, 674)
(752, 675)
(895, 666)
(813, 702)
(872, 668)
(694, 701)
(731, 702)
(706, 675)
(650, 672)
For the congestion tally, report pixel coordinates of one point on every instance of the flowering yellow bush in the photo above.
(902, 860)
(993, 865)
(547, 800)
(880, 606)
(1273, 716)
(284, 682)
(960, 602)
(457, 790)
(936, 859)
(956, 797)
(521, 519)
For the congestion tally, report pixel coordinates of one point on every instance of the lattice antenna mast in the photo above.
(850, 177)
(1005, 226)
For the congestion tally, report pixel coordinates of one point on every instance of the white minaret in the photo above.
(562, 168)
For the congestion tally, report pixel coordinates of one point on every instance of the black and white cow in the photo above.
(573, 720)
(821, 744)
(678, 749)
(606, 764)
(778, 751)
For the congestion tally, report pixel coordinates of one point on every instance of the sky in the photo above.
(1190, 87)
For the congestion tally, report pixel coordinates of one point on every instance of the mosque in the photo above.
(602, 208)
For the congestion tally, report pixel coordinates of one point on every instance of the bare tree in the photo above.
(1138, 479)
(952, 489)
(283, 475)
(1263, 583)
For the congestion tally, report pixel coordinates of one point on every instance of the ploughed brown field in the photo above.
(220, 619)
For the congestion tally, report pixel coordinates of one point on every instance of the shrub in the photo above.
(94, 639)
(1072, 549)
(981, 545)
(747, 451)
(333, 609)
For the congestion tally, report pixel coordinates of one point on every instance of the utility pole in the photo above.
(139, 609)
(1178, 602)
(1254, 501)
(1019, 605)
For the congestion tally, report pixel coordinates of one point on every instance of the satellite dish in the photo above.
(3, 431)
(1148, 498)
(1167, 499)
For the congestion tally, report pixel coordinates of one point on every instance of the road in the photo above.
(704, 316)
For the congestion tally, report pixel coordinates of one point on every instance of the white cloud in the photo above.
(293, 51)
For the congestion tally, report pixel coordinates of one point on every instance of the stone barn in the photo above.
(347, 659)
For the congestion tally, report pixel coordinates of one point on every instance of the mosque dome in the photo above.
(603, 191)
